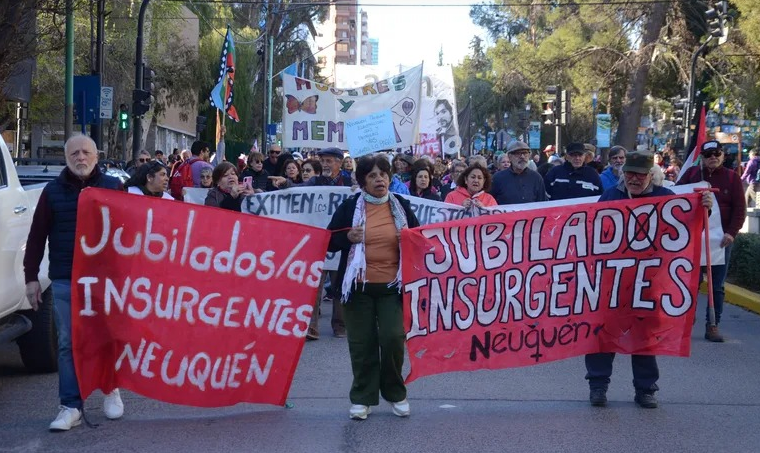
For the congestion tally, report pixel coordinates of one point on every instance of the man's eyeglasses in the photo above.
(274, 152)
(621, 157)
(712, 153)
(143, 160)
(632, 174)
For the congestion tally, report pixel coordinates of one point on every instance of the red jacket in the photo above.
(733, 207)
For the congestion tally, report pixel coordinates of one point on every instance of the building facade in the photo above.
(337, 40)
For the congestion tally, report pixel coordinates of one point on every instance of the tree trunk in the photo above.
(634, 96)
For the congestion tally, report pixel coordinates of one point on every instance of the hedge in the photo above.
(744, 267)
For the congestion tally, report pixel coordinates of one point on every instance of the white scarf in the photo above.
(357, 260)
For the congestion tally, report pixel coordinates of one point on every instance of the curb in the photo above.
(739, 296)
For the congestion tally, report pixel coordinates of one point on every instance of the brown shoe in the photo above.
(713, 334)
(312, 334)
(339, 332)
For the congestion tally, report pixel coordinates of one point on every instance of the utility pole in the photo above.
(96, 130)
(68, 126)
(270, 61)
(136, 117)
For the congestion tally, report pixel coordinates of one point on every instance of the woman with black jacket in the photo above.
(366, 229)
(420, 185)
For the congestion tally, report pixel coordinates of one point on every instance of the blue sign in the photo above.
(603, 130)
(477, 142)
(370, 133)
(534, 135)
(87, 99)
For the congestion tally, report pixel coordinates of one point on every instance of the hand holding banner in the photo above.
(166, 306)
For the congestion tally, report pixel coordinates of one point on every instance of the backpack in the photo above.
(182, 176)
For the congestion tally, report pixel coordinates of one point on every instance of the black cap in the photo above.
(575, 148)
(711, 145)
(639, 162)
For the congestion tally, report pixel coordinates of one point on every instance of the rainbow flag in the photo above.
(221, 94)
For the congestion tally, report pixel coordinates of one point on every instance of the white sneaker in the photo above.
(113, 406)
(401, 408)
(68, 418)
(359, 412)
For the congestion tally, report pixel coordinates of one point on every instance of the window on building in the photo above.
(342, 47)
(352, 52)
(344, 34)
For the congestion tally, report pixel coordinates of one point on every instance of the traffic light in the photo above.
(148, 77)
(141, 103)
(679, 112)
(123, 117)
(200, 124)
(716, 21)
(564, 108)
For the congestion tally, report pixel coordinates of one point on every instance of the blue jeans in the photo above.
(645, 371)
(68, 387)
(718, 280)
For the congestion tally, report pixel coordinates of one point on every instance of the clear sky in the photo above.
(410, 34)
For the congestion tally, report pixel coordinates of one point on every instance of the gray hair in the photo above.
(79, 136)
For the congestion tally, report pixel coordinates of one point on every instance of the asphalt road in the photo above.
(709, 402)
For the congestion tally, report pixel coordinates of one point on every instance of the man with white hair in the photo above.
(55, 221)
(518, 184)
(611, 175)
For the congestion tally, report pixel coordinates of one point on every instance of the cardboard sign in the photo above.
(530, 287)
(180, 309)
(370, 133)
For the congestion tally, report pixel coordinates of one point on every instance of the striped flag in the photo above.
(699, 139)
(221, 94)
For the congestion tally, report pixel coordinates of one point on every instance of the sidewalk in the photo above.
(739, 296)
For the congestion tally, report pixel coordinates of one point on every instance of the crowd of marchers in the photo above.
(365, 291)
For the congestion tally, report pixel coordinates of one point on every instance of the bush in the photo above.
(744, 267)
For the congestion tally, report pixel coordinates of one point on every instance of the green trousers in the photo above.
(375, 327)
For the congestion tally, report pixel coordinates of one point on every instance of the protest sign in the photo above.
(314, 114)
(182, 310)
(439, 124)
(530, 287)
(370, 133)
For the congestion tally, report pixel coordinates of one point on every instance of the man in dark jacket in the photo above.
(518, 183)
(637, 183)
(733, 209)
(55, 220)
(573, 179)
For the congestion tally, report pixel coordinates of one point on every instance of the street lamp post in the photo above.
(594, 100)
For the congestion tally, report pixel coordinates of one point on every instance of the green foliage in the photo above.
(587, 48)
(744, 267)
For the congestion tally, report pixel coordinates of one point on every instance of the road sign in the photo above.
(86, 102)
(106, 103)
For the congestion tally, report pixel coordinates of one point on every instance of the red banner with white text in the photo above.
(530, 287)
(190, 304)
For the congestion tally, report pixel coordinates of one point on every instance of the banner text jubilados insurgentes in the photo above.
(218, 276)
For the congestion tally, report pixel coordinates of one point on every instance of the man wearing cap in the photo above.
(611, 175)
(518, 183)
(733, 209)
(572, 179)
(636, 183)
(549, 151)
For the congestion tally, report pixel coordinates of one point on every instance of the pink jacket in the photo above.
(458, 196)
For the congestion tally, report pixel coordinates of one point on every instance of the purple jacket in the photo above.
(750, 173)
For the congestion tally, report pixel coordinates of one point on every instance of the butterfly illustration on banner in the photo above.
(308, 105)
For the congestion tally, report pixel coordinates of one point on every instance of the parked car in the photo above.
(33, 331)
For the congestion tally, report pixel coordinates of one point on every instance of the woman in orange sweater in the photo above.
(472, 188)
